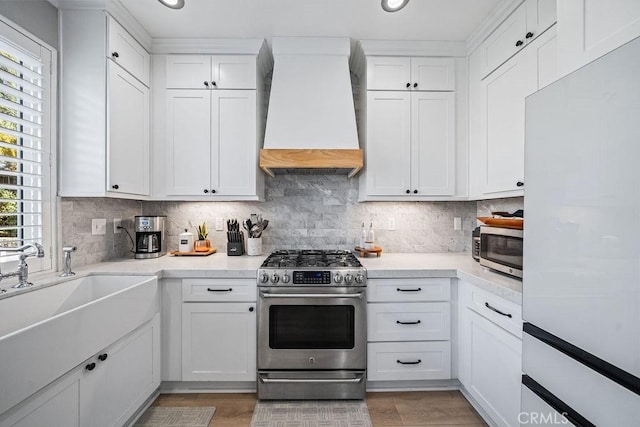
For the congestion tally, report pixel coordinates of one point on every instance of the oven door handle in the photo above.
(270, 295)
(312, 380)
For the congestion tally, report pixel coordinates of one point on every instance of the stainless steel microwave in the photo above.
(501, 250)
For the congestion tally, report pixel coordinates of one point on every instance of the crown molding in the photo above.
(491, 22)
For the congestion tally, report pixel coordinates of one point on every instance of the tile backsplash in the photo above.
(304, 212)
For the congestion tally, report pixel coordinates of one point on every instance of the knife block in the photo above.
(235, 248)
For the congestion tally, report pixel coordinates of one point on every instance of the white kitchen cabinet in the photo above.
(102, 391)
(219, 341)
(497, 125)
(490, 365)
(409, 321)
(410, 144)
(409, 361)
(211, 147)
(523, 26)
(211, 72)
(104, 133)
(124, 50)
(128, 133)
(416, 74)
(590, 28)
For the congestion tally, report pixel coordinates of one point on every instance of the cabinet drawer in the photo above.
(408, 321)
(219, 290)
(505, 314)
(409, 361)
(408, 290)
(127, 52)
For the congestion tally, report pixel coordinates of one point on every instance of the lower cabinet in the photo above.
(409, 361)
(106, 390)
(219, 341)
(491, 354)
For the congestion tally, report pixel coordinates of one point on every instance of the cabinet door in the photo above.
(504, 94)
(218, 342)
(493, 365)
(188, 72)
(128, 137)
(388, 73)
(541, 14)
(119, 385)
(503, 42)
(127, 52)
(433, 74)
(188, 139)
(388, 147)
(233, 71)
(591, 28)
(234, 148)
(433, 143)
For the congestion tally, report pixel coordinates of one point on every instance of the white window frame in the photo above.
(23, 40)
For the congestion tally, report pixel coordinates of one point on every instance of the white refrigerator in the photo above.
(581, 284)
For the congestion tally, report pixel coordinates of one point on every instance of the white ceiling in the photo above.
(359, 19)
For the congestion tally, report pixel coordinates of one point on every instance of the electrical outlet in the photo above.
(392, 224)
(457, 223)
(98, 226)
(117, 222)
(219, 224)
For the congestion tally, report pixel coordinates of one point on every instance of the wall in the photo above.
(305, 211)
(36, 16)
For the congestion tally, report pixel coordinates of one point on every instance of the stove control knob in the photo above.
(286, 278)
(348, 278)
(337, 278)
(275, 278)
(264, 278)
(359, 278)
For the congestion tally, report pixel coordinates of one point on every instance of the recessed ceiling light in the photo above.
(173, 4)
(394, 5)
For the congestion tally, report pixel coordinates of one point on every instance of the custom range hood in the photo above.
(311, 122)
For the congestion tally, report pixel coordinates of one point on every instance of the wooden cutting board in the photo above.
(209, 252)
(503, 222)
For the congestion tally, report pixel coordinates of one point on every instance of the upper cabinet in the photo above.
(418, 74)
(523, 26)
(589, 29)
(211, 72)
(104, 108)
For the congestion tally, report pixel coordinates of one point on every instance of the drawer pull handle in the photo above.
(219, 290)
(486, 304)
(417, 362)
(408, 290)
(417, 322)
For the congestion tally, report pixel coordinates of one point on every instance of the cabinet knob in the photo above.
(115, 186)
(115, 54)
(529, 35)
(520, 184)
(214, 84)
(250, 308)
(415, 85)
(103, 357)
(206, 84)
(408, 85)
(90, 367)
(415, 191)
(519, 43)
(213, 191)
(206, 191)
(408, 191)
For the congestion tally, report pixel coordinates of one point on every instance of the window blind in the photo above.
(24, 150)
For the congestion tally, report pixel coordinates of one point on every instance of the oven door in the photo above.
(312, 328)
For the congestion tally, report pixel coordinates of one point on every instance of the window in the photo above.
(25, 147)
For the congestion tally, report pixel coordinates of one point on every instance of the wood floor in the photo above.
(432, 408)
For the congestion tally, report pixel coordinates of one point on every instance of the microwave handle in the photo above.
(270, 295)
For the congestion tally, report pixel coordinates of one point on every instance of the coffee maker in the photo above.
(149, 236)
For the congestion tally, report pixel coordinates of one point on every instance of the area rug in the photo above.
(311, 413)
(171, 416)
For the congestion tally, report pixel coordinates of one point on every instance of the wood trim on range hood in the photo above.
(311, 158)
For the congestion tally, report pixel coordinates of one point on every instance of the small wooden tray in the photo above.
(363, 252)
(503, 222)
(209, 252)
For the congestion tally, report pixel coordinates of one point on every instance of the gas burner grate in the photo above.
(311, 258)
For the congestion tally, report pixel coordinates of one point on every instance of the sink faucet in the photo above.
(23, 269)
(66, 272)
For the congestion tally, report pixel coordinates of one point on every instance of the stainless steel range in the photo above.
(312, 326)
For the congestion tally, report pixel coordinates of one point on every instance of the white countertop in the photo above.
(389, 265)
